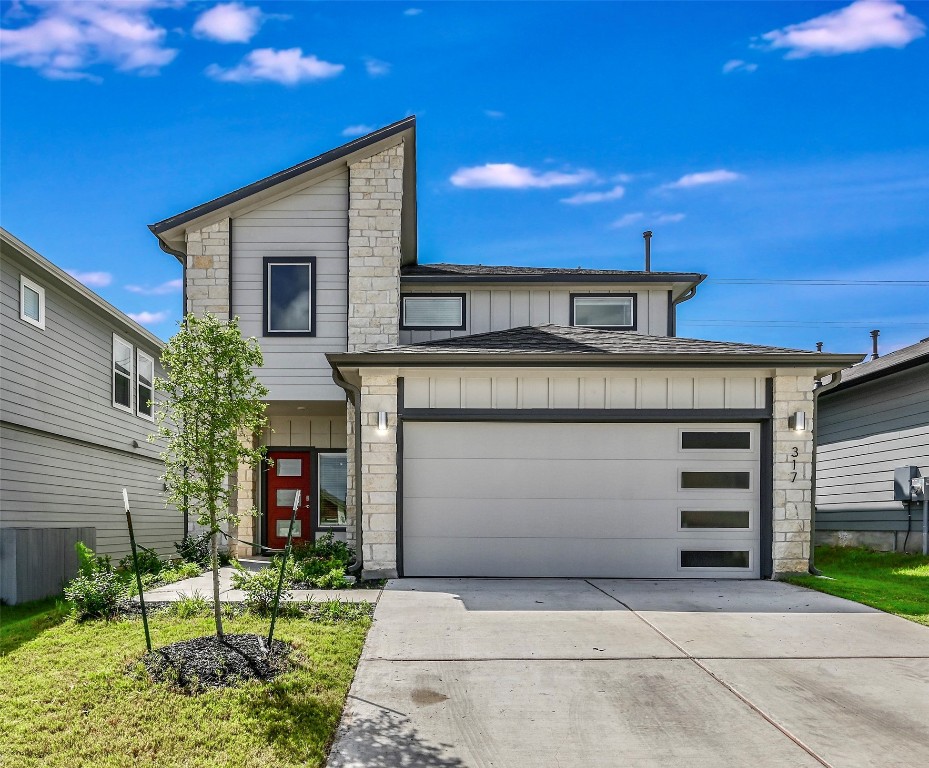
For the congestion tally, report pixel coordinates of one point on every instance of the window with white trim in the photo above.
(31, 302)
(122, 374)
(433, 312)
(145, 385)
(610, 311)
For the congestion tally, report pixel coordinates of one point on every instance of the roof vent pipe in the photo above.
(647, 234)
(819, 346)
(874, 335)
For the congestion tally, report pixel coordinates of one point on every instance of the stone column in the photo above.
(379, 476)
(374, 229)
(793, 464)
(208, 270)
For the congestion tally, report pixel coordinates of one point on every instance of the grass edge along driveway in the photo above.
(75, 694)
(890, 581)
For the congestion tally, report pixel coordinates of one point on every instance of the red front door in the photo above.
(289, 475)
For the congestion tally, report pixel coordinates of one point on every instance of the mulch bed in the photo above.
(212, 662)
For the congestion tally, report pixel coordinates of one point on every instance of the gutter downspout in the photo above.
(821, 389)
(686, 296)
(354, 397)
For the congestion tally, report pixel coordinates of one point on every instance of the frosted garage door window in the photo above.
(288, 287)
(716, 480)
(433, 311)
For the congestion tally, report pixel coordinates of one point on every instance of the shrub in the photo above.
(98, 595)
(88, 563)
(195, 549)
(260, 587)
(148, 560)
(335, 579)
(325, 548)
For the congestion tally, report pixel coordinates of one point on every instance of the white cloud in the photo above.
(357, 130)
(738, 65)
(150, 318)
(496, 114)
(628, 219)
(288, 67)
(63, 39)
(861, 26)
(584, 198)
(720, 176)
(229, 23)
(509, 176)
(171, 286)
(412, 11)
(376, 67)
(92, 279)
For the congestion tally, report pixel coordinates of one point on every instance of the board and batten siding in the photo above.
(864, 433)
(497, 308)
(629, 389)
(305, 431)
(313, 221)
(67, 453)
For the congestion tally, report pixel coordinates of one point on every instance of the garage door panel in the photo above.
(460, 518)
(559, 557)
(563, 479)
(572, 499)
(478, 440)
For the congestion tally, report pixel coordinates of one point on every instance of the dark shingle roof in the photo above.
(559, 339)
(915, 354)
(498, 272)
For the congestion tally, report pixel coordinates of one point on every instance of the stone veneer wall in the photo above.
(374, 223)
(208, 270)
(793, 500)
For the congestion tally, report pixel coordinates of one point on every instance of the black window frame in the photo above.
(464, 311)
(635, 310)
(266, 263)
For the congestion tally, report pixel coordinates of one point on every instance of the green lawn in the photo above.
(74, 694)
(890, 581)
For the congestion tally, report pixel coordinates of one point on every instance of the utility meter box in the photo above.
(903, 477)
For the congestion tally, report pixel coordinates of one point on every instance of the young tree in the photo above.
(212, 401)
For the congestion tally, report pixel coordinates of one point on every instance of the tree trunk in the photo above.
(217, 608)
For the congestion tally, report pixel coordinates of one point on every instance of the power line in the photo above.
(761, 281)
(806, 323)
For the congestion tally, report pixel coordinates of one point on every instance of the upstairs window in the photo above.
(289, 294)
(31, 302)
(122, 374)
(433, 312)
(603, 310)
(145, 385)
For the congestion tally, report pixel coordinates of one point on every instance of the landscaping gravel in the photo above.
(212, 662)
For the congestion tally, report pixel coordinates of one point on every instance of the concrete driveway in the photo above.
(568, 672)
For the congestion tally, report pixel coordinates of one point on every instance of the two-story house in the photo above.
(464, 420)
(76, 408)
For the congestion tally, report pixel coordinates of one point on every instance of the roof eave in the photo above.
(170, 231)
(822, 364)
(688, 278)
(903, 366)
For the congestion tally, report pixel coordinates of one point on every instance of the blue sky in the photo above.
(759, 141)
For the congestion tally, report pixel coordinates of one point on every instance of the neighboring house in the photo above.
(873, 422)
(75, 385)
(508, 421)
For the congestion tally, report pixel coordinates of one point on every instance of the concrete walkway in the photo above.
(203, 585)
(551, 673)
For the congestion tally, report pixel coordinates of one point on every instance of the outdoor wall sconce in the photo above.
(382, 421)
(797, 421)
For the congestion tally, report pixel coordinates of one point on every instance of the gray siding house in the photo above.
(468, 420)
(875, 420)
(75, 385)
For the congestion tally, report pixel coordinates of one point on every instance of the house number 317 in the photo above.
(794, 453)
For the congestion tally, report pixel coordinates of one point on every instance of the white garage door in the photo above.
(587, 500)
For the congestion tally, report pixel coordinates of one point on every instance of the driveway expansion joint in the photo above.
(755, 708)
